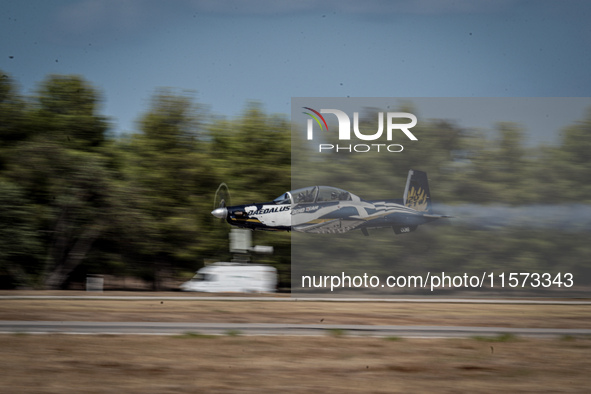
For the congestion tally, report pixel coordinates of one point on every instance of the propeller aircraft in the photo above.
(330, 210)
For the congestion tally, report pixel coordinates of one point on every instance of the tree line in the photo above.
(78, 199)
(486, 178)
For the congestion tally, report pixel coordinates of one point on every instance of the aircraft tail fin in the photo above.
(416, 194)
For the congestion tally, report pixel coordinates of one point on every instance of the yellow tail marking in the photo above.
(417, 199)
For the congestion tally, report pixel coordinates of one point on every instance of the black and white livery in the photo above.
(329, 210)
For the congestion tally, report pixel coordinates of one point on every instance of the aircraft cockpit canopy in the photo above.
(326, 193)
(314, 194)
(285, 198)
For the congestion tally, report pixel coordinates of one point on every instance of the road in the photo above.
(427, 300)
(176, 328)
(161, 328)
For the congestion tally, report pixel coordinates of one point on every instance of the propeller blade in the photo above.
(221, 200)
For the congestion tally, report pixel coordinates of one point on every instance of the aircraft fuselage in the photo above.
(326, 210)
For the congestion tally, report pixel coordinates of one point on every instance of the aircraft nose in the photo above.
(220, 212)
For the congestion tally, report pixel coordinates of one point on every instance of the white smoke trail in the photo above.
(574, 217)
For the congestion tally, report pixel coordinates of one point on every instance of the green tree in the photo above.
(67, 111)
(167, 163)
(12, 117)
(571, 163)
(252, 155)
(57, 164)
(20, 249)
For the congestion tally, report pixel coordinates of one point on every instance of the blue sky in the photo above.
(229, 52)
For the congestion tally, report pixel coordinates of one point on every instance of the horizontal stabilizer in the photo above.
(435, 216)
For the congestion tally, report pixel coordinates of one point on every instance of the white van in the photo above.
(233, 277)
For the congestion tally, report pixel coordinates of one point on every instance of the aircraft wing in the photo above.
(330, 226)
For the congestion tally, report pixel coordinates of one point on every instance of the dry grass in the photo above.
(191, 363)
(335, 363)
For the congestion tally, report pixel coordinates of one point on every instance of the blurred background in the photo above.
(77, 200)
(516, 206)
(118, 120)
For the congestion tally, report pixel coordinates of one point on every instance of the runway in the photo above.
(162, 328)
(143, 327)
(427, 300)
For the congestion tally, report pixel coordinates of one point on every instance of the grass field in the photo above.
(194, 363)
(333, 363)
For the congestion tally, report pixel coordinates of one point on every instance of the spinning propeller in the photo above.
(220, 201)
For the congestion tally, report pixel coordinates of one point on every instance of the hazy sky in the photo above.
(540, 118)
(231, 51)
